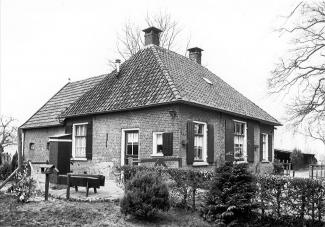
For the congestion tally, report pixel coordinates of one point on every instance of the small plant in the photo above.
(24, 187)
(278, 168)
(5, 171)
(145, 195)
(297, 159)
(230, 198)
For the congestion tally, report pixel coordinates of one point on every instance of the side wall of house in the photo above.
(39, 137)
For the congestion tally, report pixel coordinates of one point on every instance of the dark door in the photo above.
(131, 147)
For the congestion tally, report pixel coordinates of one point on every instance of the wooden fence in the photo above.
(317, 171)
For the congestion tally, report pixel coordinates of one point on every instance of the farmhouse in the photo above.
(155, 104)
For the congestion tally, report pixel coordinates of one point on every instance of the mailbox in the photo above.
(48, 169)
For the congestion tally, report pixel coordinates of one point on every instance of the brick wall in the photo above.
(107, 136)
(40, 138)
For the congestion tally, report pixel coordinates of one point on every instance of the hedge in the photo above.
(277, 196)
(298, 197)
(185, 182)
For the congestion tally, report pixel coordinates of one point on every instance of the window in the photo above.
(132, 143)
(79, 140)
(240, 141)
(157, 144)
(31, 146)
(265, 146)
(48, 146)
(200, 137)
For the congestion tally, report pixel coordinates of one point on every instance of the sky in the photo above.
(44, 43)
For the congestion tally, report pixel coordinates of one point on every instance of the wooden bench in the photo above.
(84, 180)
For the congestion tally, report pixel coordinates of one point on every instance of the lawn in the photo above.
(59, 212)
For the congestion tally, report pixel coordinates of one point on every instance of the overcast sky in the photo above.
(43, 43)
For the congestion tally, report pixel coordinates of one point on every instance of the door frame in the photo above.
(123, 143)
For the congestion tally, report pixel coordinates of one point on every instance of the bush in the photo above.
(24, 185)
(297, 159)
(230, 198)
(5, 171)
(278, 168)
(145, 195)
(296, 197)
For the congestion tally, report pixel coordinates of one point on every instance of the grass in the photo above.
(63, 213)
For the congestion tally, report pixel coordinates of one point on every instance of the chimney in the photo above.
(151, 36)
(117, 65)
(195, 54)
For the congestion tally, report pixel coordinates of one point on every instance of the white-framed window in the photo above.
(157, 144)
(79, 136)
(240, 138)
(132, 143)
(200, 141)
(265, 144)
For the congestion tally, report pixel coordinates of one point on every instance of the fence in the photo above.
(5, 158)
(317, 171)
(287, 168)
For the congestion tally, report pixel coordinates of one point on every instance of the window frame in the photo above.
(204, 160)
(74, 141)
(154, 144)
(31, 146)
(123, 143)
(245, 155)
(265, 157)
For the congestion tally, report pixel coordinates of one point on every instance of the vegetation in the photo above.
(5, 171)
(24, 186)
(297, 159)
(8, 133)
(230, 197)
(145, 195)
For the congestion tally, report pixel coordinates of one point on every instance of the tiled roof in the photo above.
(154, 76)
(48, 114)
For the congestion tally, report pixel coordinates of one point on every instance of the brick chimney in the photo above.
(151, 36)
(195, 54)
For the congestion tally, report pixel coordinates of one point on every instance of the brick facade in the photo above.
(107, 136)
(40, 137)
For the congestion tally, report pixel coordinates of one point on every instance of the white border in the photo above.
(245, 140)
(205, 144)
(123, 143)
(154, 144)
(266, 158)
(73, 141)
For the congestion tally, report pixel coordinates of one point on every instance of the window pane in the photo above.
(135, 137)
(159, 148)
(159, 139)
(129, 138)
(129, 149)
(135, 149)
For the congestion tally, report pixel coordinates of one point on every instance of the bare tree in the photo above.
(301, 73)
(131, 40)
(8, 133)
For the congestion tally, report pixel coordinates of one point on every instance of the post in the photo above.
(20, 147)
(68, 185)
(312, 172)
(47, 185)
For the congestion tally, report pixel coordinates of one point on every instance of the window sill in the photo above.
(200, 164)
(79, 159)
(265, 161)
(157, 155)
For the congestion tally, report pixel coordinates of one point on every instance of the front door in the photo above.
(131, 147)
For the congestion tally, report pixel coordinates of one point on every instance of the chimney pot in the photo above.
(195, 54)
(117, 65)
(151, 36)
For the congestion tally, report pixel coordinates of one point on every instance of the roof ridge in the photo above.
(165, 72)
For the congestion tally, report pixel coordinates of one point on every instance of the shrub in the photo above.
(297, 159)
(278, 168)
(5, 171)
(296, 197)
(24, 186)
(230, 197)
(145, 195)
